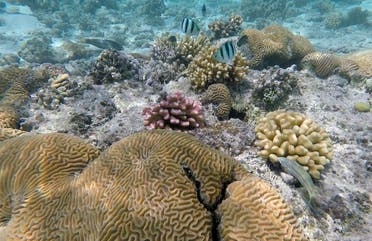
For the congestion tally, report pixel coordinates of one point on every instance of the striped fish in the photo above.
(226, 53)
(188, 26)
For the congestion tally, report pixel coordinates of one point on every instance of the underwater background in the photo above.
(266, 107)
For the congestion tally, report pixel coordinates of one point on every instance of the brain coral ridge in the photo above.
(274, 45)
(153, 185)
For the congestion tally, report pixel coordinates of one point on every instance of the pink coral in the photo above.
(175, 112)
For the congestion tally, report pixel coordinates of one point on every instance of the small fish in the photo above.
(225, 53)
(204, 10)
(102, 43)
(189, 26)
(296, 170)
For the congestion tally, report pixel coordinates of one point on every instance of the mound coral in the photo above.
(274, 45)
(228, 28)
(322, 64)
(175, 112)
(205, 70)
(154, 185)
(219, 94)
(296, 137)
(355, 67)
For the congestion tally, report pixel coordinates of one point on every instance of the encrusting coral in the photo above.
(274, 45)
(228, 28)
(219, 94)
(175, 112)
(205, 70)
(296, 137)
(153, 185)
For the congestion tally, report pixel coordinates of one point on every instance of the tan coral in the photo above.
(219, 95)
(189, 47)
(251, 209)
(8, 117)
(154, 185)
(204, 70)
(296, 137)
(323, 64)
(7, 133)
(273, 45)
(363, 59)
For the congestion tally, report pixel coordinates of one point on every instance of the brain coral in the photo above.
(154, 185)
(274, 45)
(219, 95)
(323, 64)
(205, 70)
(296, 137)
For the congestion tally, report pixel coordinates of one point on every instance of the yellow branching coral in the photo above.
(189, 47)
(219, 95)
(205, 69)
(296, 137)
(154, 185)
(273, 45)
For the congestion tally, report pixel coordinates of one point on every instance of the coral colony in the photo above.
(175, 112)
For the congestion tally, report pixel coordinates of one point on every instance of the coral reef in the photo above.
(219, 94)
(274, 45)
(165, 174)
(273, 87)
(296, 137)
(223, 29)
(333, 20)
(354, 16)
(174, 112)
(38, 49)
(205, 70)
(113, 65)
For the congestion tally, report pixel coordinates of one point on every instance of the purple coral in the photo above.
(175, 112)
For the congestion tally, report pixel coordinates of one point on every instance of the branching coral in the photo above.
(133, 191)
(113, 65)
(175, 112)
(274, 45)
(219, 95)
(296, 137)
(205, 70)
(228, 28)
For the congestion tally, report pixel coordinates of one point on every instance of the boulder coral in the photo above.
(153, 185)
(296, 137)
(274, 45)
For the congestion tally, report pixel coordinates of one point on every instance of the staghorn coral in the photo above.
(228, 28)
(251, 200)
(132, 191)
(296, 137)
(219, 94)
(205, 70)
(174, 112)
(113, 65)
(322, 64)
(274, 45)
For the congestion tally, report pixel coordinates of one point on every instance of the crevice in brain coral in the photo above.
(210, 207)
